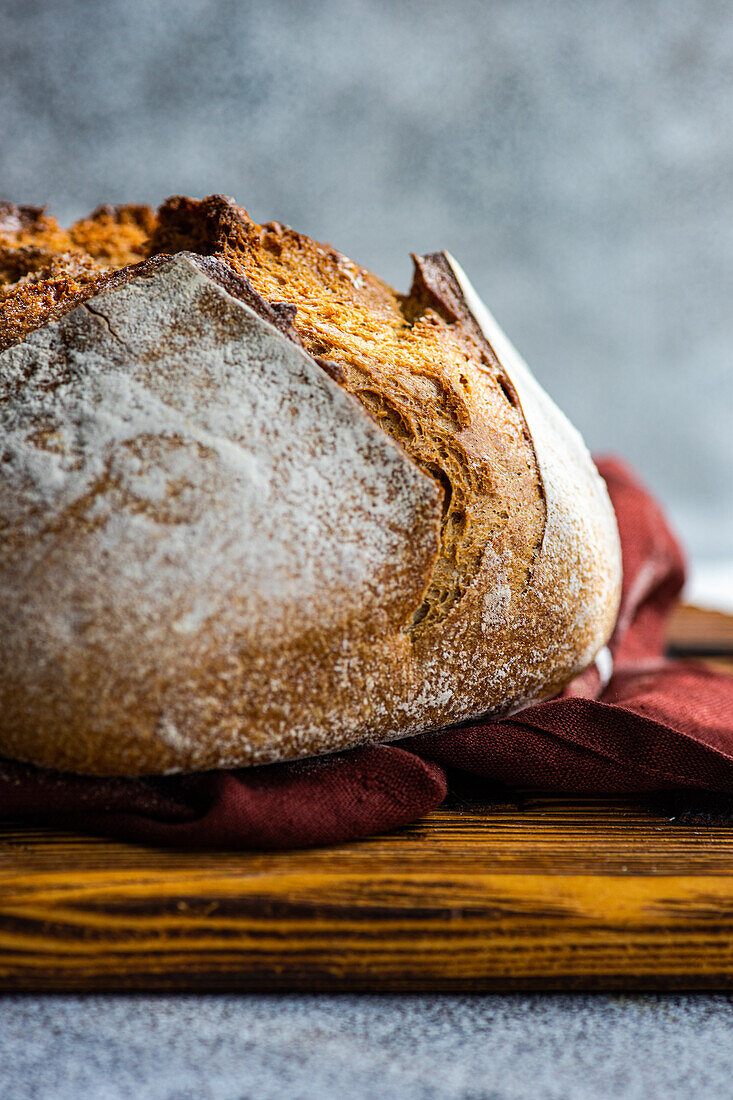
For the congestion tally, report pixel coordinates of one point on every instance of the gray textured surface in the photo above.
(390, 1048)
(576, 157)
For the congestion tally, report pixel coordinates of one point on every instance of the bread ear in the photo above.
(577, 570)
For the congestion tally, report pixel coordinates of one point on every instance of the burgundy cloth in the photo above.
(657, 725)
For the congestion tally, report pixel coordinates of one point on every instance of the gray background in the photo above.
(366, 1048)
(576, 157)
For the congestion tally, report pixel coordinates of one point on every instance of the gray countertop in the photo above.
(492, 1048)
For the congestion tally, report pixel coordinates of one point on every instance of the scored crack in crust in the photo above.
(415, 363)
(511, 583)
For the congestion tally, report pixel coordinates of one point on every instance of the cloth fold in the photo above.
(656, 725)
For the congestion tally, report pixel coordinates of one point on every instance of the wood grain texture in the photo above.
(544, 894)
(698, 630)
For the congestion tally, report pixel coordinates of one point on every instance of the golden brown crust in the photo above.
(30, 225)
(489, 602)
(115, 235)
(45, 271)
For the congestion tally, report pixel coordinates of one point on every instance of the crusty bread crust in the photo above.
(45, 270)
(214, 554)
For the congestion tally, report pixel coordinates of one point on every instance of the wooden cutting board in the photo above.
(541, 894)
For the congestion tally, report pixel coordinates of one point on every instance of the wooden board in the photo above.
(694, 631)
(542, 894)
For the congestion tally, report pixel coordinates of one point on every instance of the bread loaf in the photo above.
(255, 505)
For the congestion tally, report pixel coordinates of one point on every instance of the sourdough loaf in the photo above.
(256, 505)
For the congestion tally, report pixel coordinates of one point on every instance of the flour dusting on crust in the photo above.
(182, 485)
